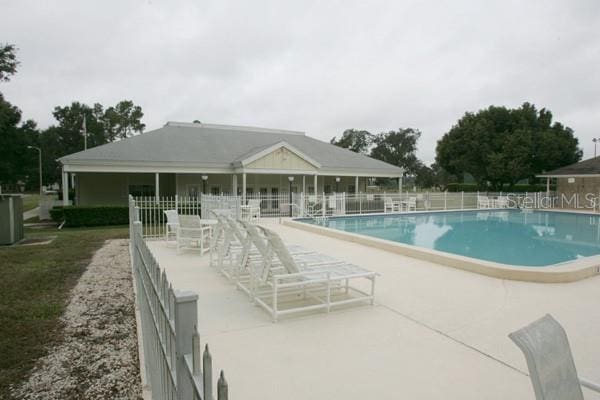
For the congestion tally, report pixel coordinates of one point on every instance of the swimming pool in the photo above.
(511, 237)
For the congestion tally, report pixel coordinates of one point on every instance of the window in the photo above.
(193, 191)
(351, 188)
(141, 190)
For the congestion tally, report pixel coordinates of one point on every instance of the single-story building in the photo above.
(577, 185)
(187, 159)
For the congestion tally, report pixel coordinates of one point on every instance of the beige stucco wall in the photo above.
(582, 187)
(279, 159)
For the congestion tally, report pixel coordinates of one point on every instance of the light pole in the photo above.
(337, 181)
(291, 179)
(204, 179)
(39, 163)
(595, 142)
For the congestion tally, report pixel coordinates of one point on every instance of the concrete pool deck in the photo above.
(435, 332)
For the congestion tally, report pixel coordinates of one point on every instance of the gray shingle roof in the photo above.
(220, 146)
(587, 167)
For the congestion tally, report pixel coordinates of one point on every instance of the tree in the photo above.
(8, 62)
(499, 146)
(123, 120)
(16, 160)
(102, 126)
(398, 148)
(358, 141)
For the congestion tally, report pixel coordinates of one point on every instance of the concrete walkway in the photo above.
(31, 213)
(435, 332)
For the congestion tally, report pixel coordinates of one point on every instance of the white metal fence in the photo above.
(174, 368)
(151, 211)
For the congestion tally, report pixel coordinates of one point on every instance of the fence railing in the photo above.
(273, 206)
(174, 366)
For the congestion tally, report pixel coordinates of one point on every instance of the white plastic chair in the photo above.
(551, 367)
(192, 234)
(390, 205)
(483, 202)
(172, 223)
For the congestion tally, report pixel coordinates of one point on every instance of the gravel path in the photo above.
(98, 358)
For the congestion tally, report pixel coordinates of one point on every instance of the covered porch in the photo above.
(114, 188)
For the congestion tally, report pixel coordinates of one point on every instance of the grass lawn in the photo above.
(34, 289)
(30, 201)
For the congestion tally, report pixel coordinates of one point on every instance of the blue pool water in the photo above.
(512, 237)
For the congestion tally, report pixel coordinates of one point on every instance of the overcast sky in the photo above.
(320, 66)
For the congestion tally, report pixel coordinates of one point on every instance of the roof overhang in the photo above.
(569, 176)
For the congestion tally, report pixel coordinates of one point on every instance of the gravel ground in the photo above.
(97, 358)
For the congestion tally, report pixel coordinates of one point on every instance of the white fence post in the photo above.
(445, 200)
(462, 200)
(186, 319)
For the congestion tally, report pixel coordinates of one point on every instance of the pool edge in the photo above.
(563, 273)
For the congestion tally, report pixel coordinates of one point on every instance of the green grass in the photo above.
(30, 201)
(34, 289)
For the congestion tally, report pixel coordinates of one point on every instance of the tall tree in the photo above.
(398, 148)
(8, 61)
(358, 141)
(499, 146)
(123, 120)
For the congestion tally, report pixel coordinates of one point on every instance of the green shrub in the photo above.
(91, 215)
(57, 215)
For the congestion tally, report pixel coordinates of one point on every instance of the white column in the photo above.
(303, 184)
(234, 185)
(244, 188)
(156, 187)
(400, 184)
(65, 188)
(356, 185)
(316, 190)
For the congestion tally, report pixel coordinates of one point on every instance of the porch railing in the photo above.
(174, 366)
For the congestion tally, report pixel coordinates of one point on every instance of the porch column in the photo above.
(244, 188)
(316, 190)
(356, 185)
(65, 187)
(303, 184)
(547, 186)
(156, 187)
(400, 184)
(234, 185)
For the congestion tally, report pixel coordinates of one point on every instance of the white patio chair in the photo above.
(483, 202)
(322, 285)
(192, 234)
(172, 223)
(390, 205)
(253, 210)
(551, 367)
(411, 204)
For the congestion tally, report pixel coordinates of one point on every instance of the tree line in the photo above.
(496, 146)
(18, 163)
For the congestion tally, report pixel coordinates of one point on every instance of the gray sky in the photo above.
(316, 66)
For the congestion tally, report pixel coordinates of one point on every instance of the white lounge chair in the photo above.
(551, 367)
(323, 285)
(172, 223)
(192, 234)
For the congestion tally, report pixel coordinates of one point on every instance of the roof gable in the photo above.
(280, 155)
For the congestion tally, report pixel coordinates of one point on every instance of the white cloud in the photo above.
(316, 66)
